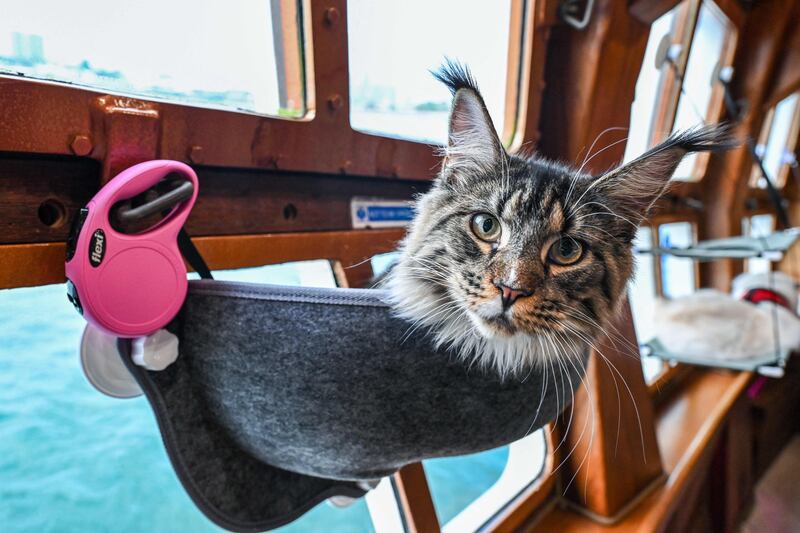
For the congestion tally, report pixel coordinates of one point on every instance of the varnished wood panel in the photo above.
(24, 265)
(415, 499)
(726, 184)
(689, 426)
(27, 183)
(231, 201)
(611, 439)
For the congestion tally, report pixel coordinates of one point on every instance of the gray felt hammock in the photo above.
(282, 397)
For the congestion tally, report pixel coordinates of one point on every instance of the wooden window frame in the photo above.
(670, 375)
(791, 143)
(669, 93)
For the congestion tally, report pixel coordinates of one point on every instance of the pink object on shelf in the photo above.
(129, 285)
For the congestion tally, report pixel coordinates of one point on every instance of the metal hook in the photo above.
(568, 11)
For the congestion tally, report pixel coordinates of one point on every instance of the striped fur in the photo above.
(446, 279)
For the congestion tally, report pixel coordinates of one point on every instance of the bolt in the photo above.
(331, 16)
(335, 102)
(196, 154)
(272, 161)
(81, 145)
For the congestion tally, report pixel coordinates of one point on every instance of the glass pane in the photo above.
(196, 52)
(642, 295)
(382, 262)
(393, 45)
(648, 86)
(300, 273)
(74, 460)
(779, 150)
(759, 226)
(706, 52)
(677, 273)
(468, 490)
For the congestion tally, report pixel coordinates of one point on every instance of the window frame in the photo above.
(669, 92)
(791, 140)
(662, 382)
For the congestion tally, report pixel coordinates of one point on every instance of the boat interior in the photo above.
(311, 127)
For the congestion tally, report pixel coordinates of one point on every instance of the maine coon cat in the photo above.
(512, 261)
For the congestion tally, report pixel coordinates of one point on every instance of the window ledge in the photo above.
(687, 426)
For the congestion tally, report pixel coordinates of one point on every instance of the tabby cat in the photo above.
(513, 261)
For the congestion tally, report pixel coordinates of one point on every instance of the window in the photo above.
(75, 460)
(677, 88)
(392, 45)
(671, 277)
(758, 226)
(469, 490)
(382, 262)
(651, 79)
(300, 273)
(642, 294)
(701, 93)
(778, 141)
(677, 273)
(234, 55)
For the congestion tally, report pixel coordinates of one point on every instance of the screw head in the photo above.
(331, 16)
(273, 161)
(335, 102)
(81, 145)
(196, 154)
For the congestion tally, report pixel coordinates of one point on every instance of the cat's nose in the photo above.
(510, 295)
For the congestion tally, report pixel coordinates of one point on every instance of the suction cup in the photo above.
(103, 367)
(667, 51)
(661, 51)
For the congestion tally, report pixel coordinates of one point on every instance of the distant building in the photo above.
(28, 49)
(28, 59)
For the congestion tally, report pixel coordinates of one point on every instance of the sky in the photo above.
(218, 46)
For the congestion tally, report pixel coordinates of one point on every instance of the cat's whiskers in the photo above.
(628, 348)
(611, 366)
(586, 421)
(589, 160)
(607, 211)
(598, 181)
(590, 420)
(578, 231)
(592, 346)
(551, 364)
(541, 397)
(428, 317)
(577, 175)
(589, 151)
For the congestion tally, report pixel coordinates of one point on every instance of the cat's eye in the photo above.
(486, 227)
(565, 251)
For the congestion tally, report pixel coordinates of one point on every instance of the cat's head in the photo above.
(512, 260)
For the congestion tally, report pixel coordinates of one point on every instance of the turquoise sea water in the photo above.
(73, 460)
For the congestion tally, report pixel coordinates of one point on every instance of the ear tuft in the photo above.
(455, 76)
(473, 145)
(713, 138)
(637, 185)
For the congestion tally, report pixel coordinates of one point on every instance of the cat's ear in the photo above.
(637, 185)
(472, 142)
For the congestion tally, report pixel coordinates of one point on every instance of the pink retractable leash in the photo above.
(129, 285)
